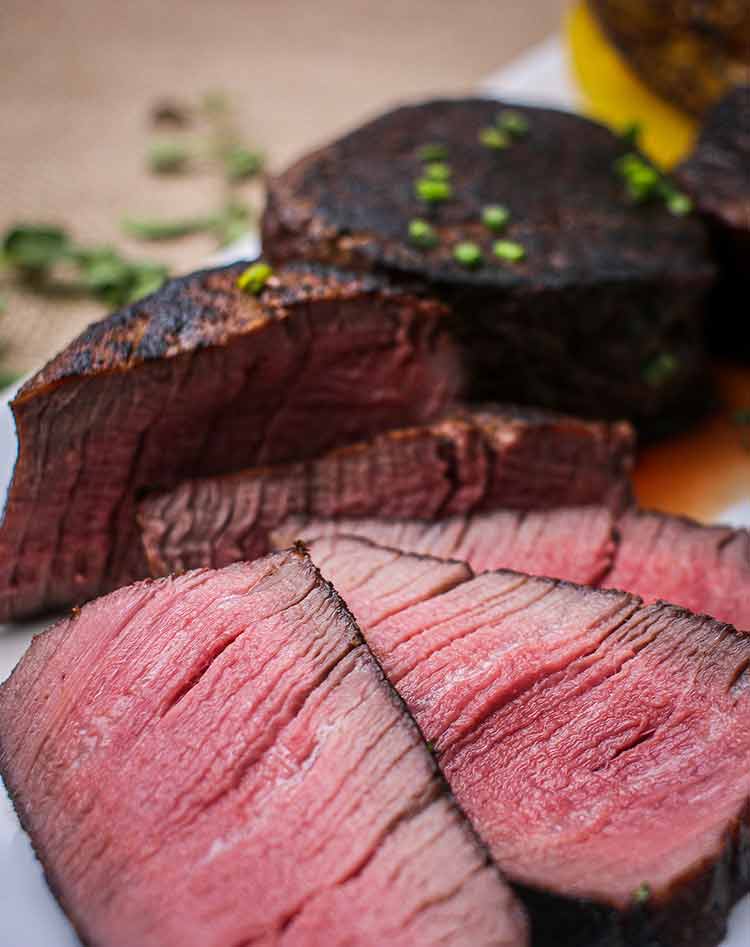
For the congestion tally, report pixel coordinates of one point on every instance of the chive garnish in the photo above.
(513, 123)
(254, 278)
(438, 171)
(679, 204)
(642, 893)
(508, 250)
(467, 254)
(432, 192)
(494, 138)
(421, 234)
(432, 152)
(495, 217)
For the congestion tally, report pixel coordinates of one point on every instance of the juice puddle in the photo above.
(707, 469)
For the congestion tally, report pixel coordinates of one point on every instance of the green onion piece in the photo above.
(432, 152)
(438, 171)
(421, 234)
(512, 122)
(168, 157)
(432, 192)
(35, 246)
(642, 893)
(494, 138)
(679, 204)
(495, 217)
(508, 250)
(660, 369)
(254, 278)
(631, 134)
(240, 163)
(149, 229)
(467, 254)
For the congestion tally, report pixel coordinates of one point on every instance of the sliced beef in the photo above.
(471, 461)
(217, 760)
(717, 176)
(572, 543)
(195, 380)
(703, 568)
(603, 316)
(599, 745)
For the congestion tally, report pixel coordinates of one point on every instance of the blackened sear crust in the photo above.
(607, 289)
(717, 177)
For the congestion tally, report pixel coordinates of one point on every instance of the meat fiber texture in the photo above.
(200, 379)
(470, 461)
(599, 745)
(717, 177)
(217, 760)
(602, 318)
(653, 555)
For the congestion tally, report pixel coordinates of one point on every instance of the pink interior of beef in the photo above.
(217, 759)
(596, 743)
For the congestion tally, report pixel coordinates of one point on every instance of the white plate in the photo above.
(29, 915)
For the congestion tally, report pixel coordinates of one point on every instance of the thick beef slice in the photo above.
(195, 380)
(599, 745)
(717, 176)
(703, 568)
(217, 760)
(470, 461)
(602, 318)
(574, 543)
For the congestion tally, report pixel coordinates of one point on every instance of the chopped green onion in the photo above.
(438, 171)
(494, 138)
(168, 157)
(152, 229)
(495, 217)
(432, 152)
(631, 134)
(421, 234)
(432, 192)
(241, 163)
(508, 250)
(679, 204)
(512, 122)
(254, 278)
(35, 246)
(467, 254)
(660, 369)
(642, 893)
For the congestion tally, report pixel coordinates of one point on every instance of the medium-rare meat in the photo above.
(470, 461)
(598, 744)
(200, 379)
(217, 760)
(603, 316)
(653, 555)
(703, 568)
(572, 543)
(717, 176)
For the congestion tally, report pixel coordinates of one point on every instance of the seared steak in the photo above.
(599, 745)
(717, 176)
(602, 318)
(217, 760)
(487, 459)
(195, 380)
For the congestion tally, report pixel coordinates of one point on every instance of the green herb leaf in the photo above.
(241, 163)
(145, 228)
(467, 254)
(421, 234)
(494, 138)
(660, 369)
(642, 893)
(495, 217)
(168, 157)
(508, 250)
(254, 278)
(432, 192)
(438, 171)
(432, 152)
(35, 246)
(513, 122)
(679, 204)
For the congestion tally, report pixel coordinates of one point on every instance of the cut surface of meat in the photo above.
(217, 760)
(598, 744)
(479, 460)
(703, 568)
(576, 544)
(199, 379)
(603, 315)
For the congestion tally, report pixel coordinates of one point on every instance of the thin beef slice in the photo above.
(199, 379)
(490, 458)
(599, 745)
(217, 760)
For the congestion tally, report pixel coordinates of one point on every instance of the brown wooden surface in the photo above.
(79, 77)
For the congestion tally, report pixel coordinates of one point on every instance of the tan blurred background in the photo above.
(79, 79)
